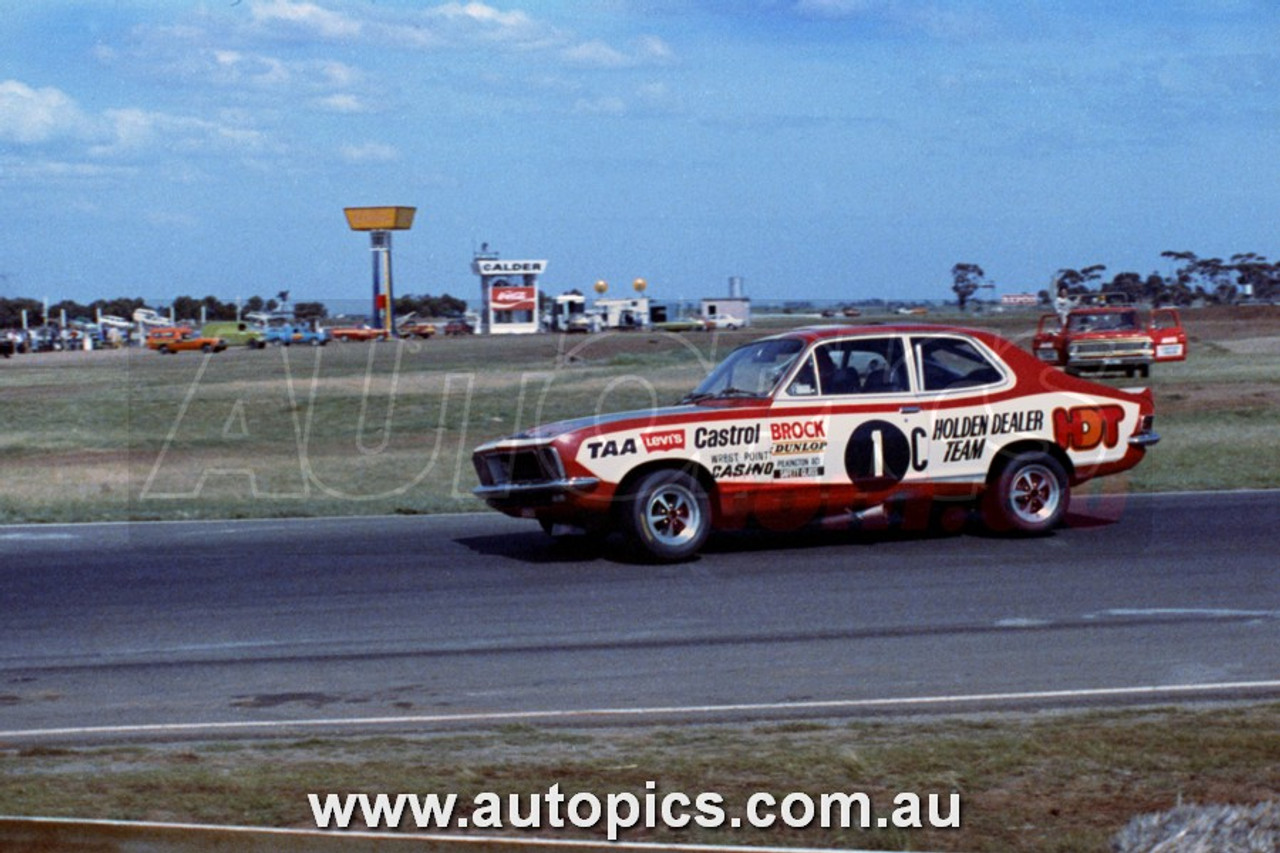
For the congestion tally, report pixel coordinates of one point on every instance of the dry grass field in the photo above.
(352, 429)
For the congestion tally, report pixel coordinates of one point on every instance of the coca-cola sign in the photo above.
(513, 298)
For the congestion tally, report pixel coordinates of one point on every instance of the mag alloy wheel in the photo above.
(1030, 494)
(670, 515)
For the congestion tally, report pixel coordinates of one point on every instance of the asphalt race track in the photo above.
(413, 623)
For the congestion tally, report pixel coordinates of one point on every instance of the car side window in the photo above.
(945, 363)
(860, 366)
(805, 383)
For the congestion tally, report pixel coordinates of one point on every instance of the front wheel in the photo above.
(1029, 495)
(669, 515)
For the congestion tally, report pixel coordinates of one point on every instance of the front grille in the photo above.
(518, 466)
(1111, 349)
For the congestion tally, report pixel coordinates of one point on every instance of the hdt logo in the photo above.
(1085, 427)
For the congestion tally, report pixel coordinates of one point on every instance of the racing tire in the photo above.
(668, 514)
(1029, 495)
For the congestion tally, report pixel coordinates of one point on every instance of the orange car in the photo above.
(358, 333)
(177, 338)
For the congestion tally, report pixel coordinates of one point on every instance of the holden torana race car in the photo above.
(824, 422)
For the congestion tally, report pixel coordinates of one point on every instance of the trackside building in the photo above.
(508, 294)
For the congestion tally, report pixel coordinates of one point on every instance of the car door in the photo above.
(861, 425)
(1168, 336)
(1047, 343)
(959, 384)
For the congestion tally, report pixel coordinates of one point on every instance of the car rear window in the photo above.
(946, 363)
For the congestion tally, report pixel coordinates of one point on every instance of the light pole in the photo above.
(380, 222)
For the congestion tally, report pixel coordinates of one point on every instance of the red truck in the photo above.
(1106, 338)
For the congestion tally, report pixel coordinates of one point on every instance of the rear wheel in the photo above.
(669, 515)
(1029, 495)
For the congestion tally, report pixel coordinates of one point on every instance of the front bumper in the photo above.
(508, 496)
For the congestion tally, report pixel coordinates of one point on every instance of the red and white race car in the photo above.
(825, 422)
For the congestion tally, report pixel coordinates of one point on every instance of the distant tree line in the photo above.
(430, 306)
(1195, 279)
(209, 308)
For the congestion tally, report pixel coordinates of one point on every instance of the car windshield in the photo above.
(1103, 322)
(750, 371)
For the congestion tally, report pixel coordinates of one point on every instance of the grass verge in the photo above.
(1027, 782)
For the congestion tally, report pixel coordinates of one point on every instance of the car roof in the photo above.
(823, 332)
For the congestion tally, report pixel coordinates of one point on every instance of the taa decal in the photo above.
(1085, 427)
(879, 454)
(612, 447)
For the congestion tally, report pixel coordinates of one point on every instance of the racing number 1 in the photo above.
(879, 454)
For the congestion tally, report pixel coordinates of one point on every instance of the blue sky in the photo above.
(839, 149)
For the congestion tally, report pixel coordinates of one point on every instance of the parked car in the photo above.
(721, 321)
(417, 329)
(358, 333)
(290, 334)
(828, 422)
(1103, 338)
(458, 327)
(236, 333)
(174, 339)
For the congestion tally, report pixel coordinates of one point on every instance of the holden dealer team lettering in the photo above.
(966, 436)
(876, 452)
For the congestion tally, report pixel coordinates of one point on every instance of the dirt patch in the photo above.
(1269, 345)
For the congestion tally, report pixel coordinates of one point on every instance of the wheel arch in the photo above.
(698, 471)
(1012, 449)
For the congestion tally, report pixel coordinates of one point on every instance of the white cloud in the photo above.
(598, 54)
(836, 8)
(133, 131)
(47, 172)
(646, 50)
(31, 116)
(235, 68)
(339, 74)
(478, 20)
(605, 106)
(654, 49)
(369, 152)
(343, 103)
(306, 17)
